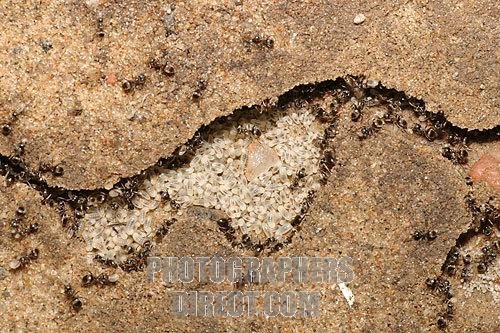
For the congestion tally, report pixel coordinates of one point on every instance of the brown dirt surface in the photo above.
(59, 75)
(380, 192)
(64, 82)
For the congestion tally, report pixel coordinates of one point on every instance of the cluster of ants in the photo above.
(14, 169)
(135, 262)
(443, 287)
(485, 218)
(434, 126)
(298, 99)
(270, 245)
(18, 232)
(362, 93)
(138, 259)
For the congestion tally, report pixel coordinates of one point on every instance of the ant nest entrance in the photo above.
(259, 169)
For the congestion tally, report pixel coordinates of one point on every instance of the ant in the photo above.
(130, 265)
(246, 241)
(260, 40)
(106, 262)
(322, 115)
(7, 127)
(428, 235)
(164, 228)
(300, 174)
(76, 302)
(102, 279)
(31, 229)
(138, 82)
(24, 260)
(249, 129)
(326, 164)
(201, 85)
(457, 156)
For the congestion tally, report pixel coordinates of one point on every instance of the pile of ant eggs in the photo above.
(484, 283)
(256, 171)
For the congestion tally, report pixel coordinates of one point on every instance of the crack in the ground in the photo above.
(359, 92)
(362, 93)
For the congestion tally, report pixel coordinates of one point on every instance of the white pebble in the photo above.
(360, 18)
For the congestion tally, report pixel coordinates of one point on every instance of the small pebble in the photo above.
(360, 18)
(372, 83)
(113, 278)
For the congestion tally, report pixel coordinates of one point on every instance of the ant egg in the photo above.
(15, 264)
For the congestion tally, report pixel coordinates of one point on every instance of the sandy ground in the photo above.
(74, 112)
(444, 53)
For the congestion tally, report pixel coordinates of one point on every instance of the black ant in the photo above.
(7, 127)
(300, 175)
(457, 156)
(146, 250)
(102, 279)
(138, 82)
(249, 129)
(76, 302)
(246, 241)
(322, 115)
(100, 27)
(225, 226)
(106, 262)
(326, 164)
(428, 235)
(31, 229)
(356, 114)
(401, 122)
(201, 86)
(365, 132)
(24, 260)
(164, 228)
(259, 40)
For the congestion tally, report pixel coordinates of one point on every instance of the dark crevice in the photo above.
(362, 93)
